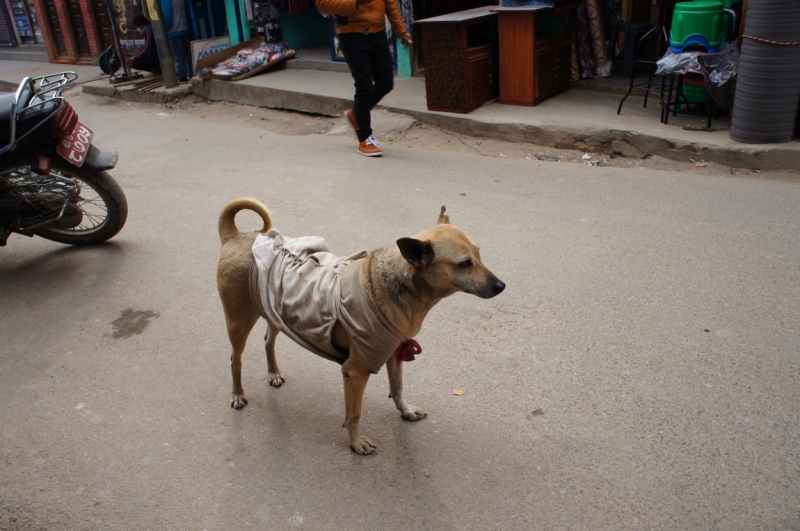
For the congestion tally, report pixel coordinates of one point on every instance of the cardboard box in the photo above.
(212, 60)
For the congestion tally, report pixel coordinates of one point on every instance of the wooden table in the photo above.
(535, 45)
(460, 54)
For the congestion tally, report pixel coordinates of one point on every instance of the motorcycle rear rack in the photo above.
(47, 84)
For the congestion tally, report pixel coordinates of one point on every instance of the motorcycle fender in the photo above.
(97, 159)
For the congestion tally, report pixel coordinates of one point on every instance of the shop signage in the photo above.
(21, 18)
(124, 11)
(205, 47)
(151, 9)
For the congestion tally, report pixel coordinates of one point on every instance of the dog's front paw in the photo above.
(363, 447)
(275, 379)
(238, 401)
(413, 413)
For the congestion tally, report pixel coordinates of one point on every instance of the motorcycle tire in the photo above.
(109, 195)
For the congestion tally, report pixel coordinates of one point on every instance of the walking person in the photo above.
(362, 38)
(178, 32)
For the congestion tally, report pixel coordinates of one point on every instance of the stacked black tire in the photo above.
(767, 101)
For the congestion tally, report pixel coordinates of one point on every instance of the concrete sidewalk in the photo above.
(577, 119)
(581, 118)
(93, 81)
(12, 72)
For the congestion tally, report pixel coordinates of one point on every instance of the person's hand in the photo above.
(406, 39)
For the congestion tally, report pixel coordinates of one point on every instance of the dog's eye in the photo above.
(466, 263)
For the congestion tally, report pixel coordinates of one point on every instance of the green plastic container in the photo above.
(694, 93)
(698, 23)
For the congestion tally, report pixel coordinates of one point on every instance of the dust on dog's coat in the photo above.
(299, 286)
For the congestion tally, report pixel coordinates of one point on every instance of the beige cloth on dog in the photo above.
(299, 286)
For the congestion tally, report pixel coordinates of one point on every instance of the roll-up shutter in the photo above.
(7, 37)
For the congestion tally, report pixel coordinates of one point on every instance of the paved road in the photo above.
(639, 372)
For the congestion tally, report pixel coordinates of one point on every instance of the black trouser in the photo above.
(148, 64)
(370, 62)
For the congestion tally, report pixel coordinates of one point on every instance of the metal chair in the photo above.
(633, 32)
(659, 32)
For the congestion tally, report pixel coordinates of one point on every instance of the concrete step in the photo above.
(577, 119)
(325, 66)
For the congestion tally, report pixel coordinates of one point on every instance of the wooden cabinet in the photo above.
(552, 70)
(461, 66)
(535, 47)
(482, 78)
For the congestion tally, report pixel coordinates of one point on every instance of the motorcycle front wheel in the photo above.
(101, 202)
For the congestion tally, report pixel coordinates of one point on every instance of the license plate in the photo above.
(75, 146)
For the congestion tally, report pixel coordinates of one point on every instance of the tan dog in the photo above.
(403, 282)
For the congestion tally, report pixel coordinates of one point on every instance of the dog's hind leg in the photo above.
(275, 378)
(356, 375)
(395, 373)
(238, 330)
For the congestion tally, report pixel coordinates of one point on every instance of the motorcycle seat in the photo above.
(30, 118)
(6, 103)
(27, 119)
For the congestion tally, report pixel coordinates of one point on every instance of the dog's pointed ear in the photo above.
(416, 252)
(443, 220)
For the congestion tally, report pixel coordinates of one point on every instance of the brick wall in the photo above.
(91, 27)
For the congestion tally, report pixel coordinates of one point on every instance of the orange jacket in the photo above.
(367, 18)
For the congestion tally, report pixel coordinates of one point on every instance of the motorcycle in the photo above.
(54, 182)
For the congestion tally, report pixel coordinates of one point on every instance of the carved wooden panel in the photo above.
(445, 69)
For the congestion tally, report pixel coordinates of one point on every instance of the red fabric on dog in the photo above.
(406, 351)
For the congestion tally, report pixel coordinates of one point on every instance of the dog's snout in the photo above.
(491, 288)
(499, 286)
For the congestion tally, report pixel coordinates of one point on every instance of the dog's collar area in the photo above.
(406, 351)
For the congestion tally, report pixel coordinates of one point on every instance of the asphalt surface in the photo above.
(639, 372)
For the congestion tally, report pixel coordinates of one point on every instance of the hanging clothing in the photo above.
(602, 66)
(298, 7)
(574, 72)
(298, 285)
(407, 11)
(585, 67)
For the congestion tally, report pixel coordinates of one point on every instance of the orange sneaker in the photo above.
(370, 147)
(351, 117)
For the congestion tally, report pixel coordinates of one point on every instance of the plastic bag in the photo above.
(717, 68)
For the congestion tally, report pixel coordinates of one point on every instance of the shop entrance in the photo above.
(6, 31)
(208, 18)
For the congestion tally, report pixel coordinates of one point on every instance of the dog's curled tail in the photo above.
(227, 219)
